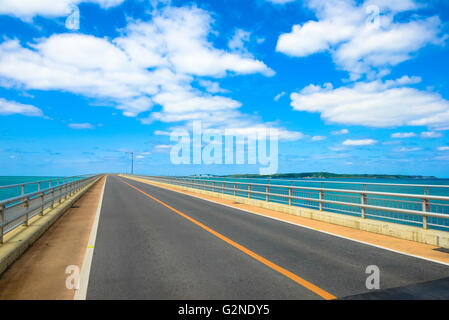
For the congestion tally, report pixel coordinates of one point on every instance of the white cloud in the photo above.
(80, 126)
(280, 95)
(402, 135)
(358, 46)
(374, 104)
(280, 1)
(162, 147)
(237, 42)
(340, 132)
(162, 133)
(431, 134)
(443, 148)
(404, 149)
(361, 142)
(27, 9)
(318, 138)
(11, 107)
(212, 86)
(152, 63)
(179, 37)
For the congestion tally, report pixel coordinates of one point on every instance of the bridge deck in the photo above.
(154, 243)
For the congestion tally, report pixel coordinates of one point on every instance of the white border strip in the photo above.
(299, 225)
(81, 293)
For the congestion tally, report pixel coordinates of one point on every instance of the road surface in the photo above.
(154, 243)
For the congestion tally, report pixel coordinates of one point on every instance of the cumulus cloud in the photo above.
(152, 63)
(374, 104)
(360, 41)
(212, 86)
(179, 37)
(12, 107)
(238, 40)
(27, 9)
(443, 148)
(360, 142)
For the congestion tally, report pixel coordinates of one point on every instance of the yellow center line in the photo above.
(306, 284)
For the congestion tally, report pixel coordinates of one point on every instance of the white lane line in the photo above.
(81, 293)
(310, 228)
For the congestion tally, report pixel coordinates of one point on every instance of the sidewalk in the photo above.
(40, 273)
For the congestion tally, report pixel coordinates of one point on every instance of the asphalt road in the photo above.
(145, 250)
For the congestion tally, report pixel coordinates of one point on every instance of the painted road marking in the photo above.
(299, 225)
(306, 284)
(81, 293)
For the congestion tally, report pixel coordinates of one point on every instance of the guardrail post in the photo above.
(53, 198)
(321, 198)
(42, 204)
(2, 222)
(249, 191)
(27, 206)
(290, 194)
(235, 189)
(213, 186)
(425, 208)
(364, 201)
(23, 190)
(267, 191)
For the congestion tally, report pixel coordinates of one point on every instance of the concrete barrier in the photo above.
(426, 236)
(20, 239)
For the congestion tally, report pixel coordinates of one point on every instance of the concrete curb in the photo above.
(426, 236)
(17, 245)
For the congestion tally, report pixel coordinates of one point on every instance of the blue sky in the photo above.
(349, 90)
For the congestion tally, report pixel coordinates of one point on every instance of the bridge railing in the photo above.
(18, 210)
(424, 210)
(21, 187)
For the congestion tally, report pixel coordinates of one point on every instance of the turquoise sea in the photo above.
(361, 184)
(435, 187)
(401, 186)
(16, 191)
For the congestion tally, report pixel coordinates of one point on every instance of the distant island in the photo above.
(327, 175)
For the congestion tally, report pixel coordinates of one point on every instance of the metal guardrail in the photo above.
(39, 183)
(416, 209)
(18, 211)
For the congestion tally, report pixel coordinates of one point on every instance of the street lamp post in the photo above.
(132, 162)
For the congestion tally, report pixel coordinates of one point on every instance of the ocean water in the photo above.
(411, 187)
(16, 191)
